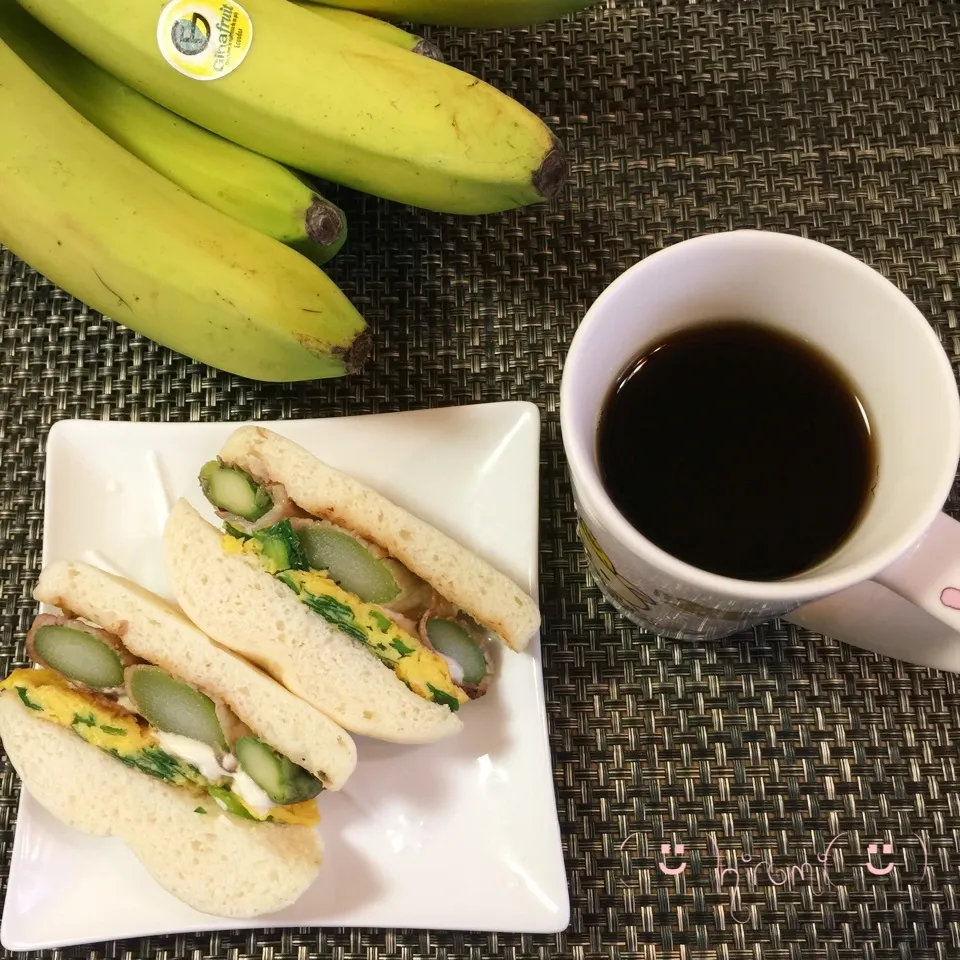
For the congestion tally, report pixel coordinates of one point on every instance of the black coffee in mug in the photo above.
(738, 449)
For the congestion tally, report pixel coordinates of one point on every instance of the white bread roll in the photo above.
(154, 630)
(218, 864)
(455, 572)
(231, 598)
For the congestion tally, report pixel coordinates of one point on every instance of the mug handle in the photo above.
(909, 611)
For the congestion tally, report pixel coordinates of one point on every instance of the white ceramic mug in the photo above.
(894, 585)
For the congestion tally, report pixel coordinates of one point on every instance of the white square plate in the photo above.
(457, 835)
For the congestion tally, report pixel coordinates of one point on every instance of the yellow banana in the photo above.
(321, 98)
(467, 13)
(380, 29)
(104, 226)
(252, 189)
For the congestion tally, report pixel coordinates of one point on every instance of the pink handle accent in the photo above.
(910, 611)
(929, 574)
(950, 598)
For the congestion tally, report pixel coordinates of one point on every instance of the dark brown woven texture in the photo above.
(835, 119)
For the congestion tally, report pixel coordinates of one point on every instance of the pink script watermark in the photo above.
(752, 874)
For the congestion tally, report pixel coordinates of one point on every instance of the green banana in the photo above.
(323, 99)
(373, 27)
(467, 13)
(252, 189)
(104, 226)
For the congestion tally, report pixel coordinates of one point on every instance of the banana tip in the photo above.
(427, 49)
(355, 355)
(551, 174)
(324, 222)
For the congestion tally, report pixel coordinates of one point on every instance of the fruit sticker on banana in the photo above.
(204, 41)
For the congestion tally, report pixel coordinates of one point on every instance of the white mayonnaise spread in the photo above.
(251, 794)
(197, 754)
(124, 701)
(204, 758)
(456, 671)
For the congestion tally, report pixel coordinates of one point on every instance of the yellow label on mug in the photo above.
(204, 41)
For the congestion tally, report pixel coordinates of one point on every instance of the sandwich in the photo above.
(375, 617)
(134, 724)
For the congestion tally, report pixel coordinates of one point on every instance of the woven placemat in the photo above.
(834, 119)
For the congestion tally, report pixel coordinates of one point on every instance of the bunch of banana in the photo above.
(467, 13)
(103, 225)
(153, 158)
(323, 97)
